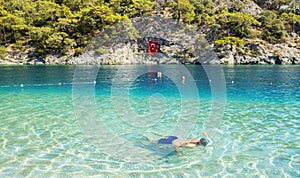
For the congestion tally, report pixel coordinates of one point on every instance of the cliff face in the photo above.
(177, 43)
(127, 43)
(259, 52)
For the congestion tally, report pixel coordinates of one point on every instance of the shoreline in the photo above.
(254, 52)
(146, 64)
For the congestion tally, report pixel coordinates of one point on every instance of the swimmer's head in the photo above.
(203, 142)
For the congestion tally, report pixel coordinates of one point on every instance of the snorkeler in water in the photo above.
(178, 142)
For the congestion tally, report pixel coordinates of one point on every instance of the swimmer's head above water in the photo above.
(203, 142)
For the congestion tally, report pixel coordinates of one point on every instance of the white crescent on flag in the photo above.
(152, 47)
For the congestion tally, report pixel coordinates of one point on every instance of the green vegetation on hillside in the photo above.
(67, 26)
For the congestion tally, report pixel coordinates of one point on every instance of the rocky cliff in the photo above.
(259, 52)
(178, 43)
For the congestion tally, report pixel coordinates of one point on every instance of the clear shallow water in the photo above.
(259, 132)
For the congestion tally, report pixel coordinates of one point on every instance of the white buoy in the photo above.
(159, 74)
(182, 79)
(232, 81)
(22, 85)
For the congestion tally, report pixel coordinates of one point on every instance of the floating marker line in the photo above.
(48, 84)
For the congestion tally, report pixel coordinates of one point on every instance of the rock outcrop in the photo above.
(259, 52)
(127, 43)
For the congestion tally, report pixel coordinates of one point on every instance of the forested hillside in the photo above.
(67, 26)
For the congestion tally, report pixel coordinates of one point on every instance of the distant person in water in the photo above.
(178, 142)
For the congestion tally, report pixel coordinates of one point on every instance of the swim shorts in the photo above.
(168, 140)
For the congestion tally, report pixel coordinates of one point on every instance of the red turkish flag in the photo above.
(152, 47)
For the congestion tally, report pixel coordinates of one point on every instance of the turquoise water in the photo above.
(43, 134)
